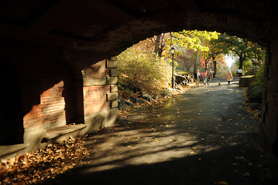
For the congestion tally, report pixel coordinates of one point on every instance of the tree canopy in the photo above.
(244, 49)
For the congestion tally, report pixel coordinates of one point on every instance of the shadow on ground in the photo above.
(169, 154)
(203, 137)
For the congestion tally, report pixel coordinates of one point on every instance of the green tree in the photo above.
(192, 39)
(216, 50)
(244, 49)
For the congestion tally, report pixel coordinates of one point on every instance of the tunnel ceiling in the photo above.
(110, 26)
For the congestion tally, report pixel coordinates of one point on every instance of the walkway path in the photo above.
(202, 137)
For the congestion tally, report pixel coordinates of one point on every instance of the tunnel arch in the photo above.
(107, 27)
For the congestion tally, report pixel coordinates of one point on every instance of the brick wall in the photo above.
(98, 79)
(57, 98)
(95, 99)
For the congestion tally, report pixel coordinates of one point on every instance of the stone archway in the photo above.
(108, 27)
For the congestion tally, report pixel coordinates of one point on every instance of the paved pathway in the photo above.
(202, 137)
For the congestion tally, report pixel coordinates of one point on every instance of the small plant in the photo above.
(259, 77)
(127, 93)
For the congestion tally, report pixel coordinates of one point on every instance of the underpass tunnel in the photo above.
(93, 32)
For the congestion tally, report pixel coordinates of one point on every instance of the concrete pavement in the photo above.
(205, 136)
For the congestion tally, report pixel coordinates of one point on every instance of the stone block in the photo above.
(112, 96)
(121, 104)
(114, 104)
(34, 138)
(111, 64)
(244, 80)
(100, 119)
(255, 106)
(114, 88)
(113, 58)
(94, 82)
(112, 80)
(113, 73)
(8, 151)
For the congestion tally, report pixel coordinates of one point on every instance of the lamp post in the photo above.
(173, 78)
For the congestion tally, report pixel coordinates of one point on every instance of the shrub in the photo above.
(143, 69)
(259, 77)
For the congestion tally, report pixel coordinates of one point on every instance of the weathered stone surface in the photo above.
(133, 100)
(113, 58)
(245, 80)
(94, 82)
(165, 93)
(5, 150)
(34, 138)
(129, 104)
(114, 104)
(113, 73)
(137, 100)
(146, 96)
(255, 106)
(112, 80)
(122, 105)
(181, 79)
(112, 96)
(111, 64)
(100, 119)
(156, 96)
(255, 94)
(140, 100)
(113, 88)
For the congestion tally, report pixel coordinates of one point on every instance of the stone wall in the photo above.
(55, 88)
(269, 125)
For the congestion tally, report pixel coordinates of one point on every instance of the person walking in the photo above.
(229, 77)
(240, 72)
(205, 77)
(197, 78)
(209, 77)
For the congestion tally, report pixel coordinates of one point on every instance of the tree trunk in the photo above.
(240, 62)
(214, 65)
(195, 64)
(157, 44)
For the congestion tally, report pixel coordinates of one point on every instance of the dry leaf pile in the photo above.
(44, 164)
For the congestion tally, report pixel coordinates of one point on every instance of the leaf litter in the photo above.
(45, 164)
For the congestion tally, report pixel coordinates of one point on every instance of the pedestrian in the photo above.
(229, 77)
(205, 77)
(237, 71)
(197, 78)
(240, 72)
(209, 76)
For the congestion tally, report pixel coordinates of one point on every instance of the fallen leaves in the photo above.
(246, 174)
(44, 164)
(222, 183)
